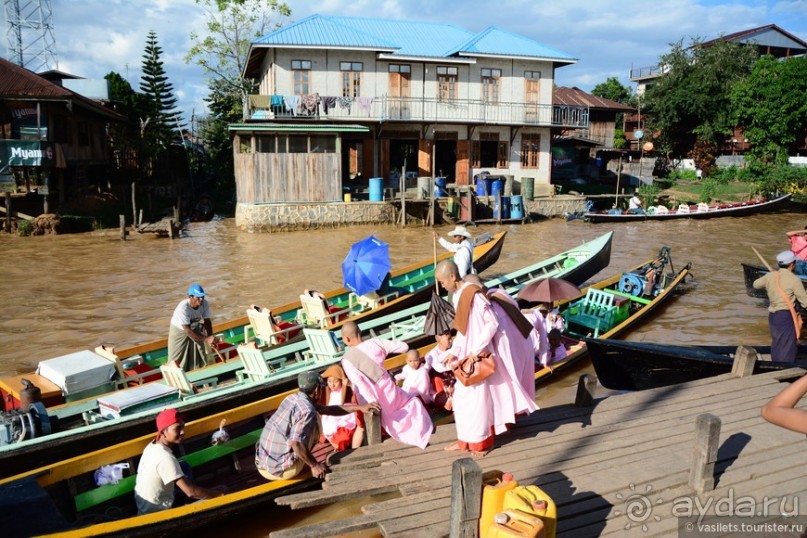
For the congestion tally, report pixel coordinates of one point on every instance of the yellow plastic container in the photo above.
(515, 523)
(493, 492)
(348, 197)
(533, 500)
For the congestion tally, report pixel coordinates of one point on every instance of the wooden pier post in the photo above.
(744, 360)
(171, 228)
(122, 227)
(372, 421)
(586, 388)
(466, 498)
(707, 439)
(8, 211)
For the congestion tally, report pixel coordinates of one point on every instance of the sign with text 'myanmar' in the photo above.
(27, 153)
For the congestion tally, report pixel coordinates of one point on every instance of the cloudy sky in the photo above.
(94, 37)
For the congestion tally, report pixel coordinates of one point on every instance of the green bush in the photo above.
(25, 227)
(723, 176)
(708, 190)
(682, 175)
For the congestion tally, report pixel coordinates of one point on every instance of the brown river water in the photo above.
(67, 293)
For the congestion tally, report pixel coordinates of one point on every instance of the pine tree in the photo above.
(160, 124)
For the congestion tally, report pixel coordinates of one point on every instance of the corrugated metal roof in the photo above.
(19, 83)
(324, 31)
(562, 95)
(408, 38)
(493, 40)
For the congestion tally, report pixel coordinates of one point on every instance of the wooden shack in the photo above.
(289, 163)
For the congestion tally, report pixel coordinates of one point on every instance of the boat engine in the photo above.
(19, 425)
(632, 284)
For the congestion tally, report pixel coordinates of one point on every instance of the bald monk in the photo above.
(403, 416)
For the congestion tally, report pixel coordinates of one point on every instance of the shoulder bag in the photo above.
(474, 369)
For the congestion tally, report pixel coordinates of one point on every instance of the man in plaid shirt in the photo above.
(284, 448)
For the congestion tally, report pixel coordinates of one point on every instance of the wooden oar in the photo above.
(796, 317)
(436, 284)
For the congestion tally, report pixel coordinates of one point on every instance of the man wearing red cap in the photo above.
(159, 469)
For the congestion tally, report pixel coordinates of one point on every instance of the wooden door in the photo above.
(462, 170)
(399, 93)
(532, 96)
(425, 157)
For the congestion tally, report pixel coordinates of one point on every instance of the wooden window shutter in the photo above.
(503, 155)
(476, 154)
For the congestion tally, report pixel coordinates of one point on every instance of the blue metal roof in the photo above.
(495, 41)
(408, 38)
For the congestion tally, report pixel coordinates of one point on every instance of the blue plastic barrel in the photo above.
(440, 187)
(376, 189)
(497, 188)
(501, 209)
(483, 183)
(516, 207)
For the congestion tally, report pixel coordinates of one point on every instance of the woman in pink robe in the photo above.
(403, 417)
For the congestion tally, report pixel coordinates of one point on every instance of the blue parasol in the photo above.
(366, 265)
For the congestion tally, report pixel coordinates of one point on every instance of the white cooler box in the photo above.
(78, 372)
(129, 401)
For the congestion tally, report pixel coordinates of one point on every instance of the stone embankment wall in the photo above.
(292, 217)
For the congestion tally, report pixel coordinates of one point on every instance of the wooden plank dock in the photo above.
(618, 467)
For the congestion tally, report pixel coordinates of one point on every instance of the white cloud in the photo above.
(94, 37)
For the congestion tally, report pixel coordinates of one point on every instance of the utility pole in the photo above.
(29, 33)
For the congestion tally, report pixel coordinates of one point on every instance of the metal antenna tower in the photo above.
(31, 42)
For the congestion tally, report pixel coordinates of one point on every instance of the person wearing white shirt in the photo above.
(190, 330)
(461, 247)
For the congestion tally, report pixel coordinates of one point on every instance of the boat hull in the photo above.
(751, 272)
(730, 210)
(641, 366)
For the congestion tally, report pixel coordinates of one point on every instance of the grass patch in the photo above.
(691, 192)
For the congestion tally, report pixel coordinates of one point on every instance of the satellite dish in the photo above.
(638, 134)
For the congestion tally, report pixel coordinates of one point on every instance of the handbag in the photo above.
(474, 369)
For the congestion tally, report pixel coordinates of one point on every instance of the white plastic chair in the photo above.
(322, 346)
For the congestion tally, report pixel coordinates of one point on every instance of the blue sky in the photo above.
(94, 37)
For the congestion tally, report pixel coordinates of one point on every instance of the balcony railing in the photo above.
(652, 71)
(395, 109)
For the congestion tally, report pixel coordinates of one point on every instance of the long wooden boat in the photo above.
(67, 502)
(640, 365)
(751, 272)
(413, 283)
(738, 209)
(630, 307)
(80, 428)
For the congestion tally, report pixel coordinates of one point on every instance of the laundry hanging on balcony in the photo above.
(291, 102)
(328, 103)
(310, 104)
(365, 103)
(345, 102)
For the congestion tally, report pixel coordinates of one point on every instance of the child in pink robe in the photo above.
(415, 377)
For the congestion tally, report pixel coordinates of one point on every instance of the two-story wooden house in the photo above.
(345, 99)
(52, 140)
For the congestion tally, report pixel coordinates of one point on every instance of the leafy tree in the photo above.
(771, 105)
(231, 27)
(159, 125)
(614, 90)
(691, 100)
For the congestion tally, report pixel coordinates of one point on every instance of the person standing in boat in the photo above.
(798, 244)
(784, 289)
(284, 448)
(159, 471)
(461, 247)
(190, 330)
(403, 416)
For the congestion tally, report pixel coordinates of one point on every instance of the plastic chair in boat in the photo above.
(315, 311)
(265, 330)
(370, 300)
(132, 371)
(322, 346)
(256, 367)
(175, 377)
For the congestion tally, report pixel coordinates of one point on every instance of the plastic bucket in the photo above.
(483, 185)
(528, 188)
(451, 206)
(497, 187)
(440, 187)
(423, 187)
(376, 189)
(516, 207)
(348, 197)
